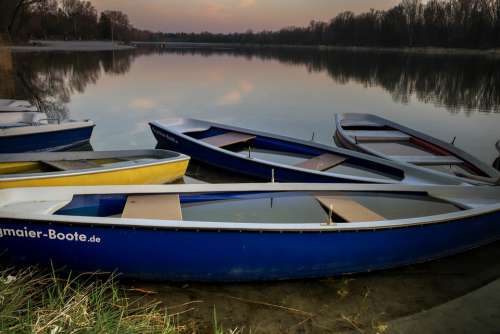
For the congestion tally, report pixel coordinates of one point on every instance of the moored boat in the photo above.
(243, 232)
(268, 156)
(91, 168)
(31, 131)
(380, 137)
(10, 105)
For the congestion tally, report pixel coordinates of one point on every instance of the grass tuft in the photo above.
(35, 302)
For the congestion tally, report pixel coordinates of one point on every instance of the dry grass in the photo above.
(32, 302)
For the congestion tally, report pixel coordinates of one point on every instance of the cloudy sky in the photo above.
(233, 15)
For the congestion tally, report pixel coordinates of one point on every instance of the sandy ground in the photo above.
(69, 46)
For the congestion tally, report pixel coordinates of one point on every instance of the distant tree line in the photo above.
(412, 23)
(66, 19)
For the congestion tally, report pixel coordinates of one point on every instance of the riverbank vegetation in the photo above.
(35, 302)
(21, 20)
(412, 23)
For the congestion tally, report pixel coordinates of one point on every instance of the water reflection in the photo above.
(459, 83)
(467, 83)
(49, 80)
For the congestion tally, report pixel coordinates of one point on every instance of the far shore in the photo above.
(46, 45)
(42, 45)
(415, 50)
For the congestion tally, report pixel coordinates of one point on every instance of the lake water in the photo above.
(293, 92)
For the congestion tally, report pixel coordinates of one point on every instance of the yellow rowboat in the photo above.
(91, 168)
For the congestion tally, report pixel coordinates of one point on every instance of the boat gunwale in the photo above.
(431, 191)
(177, 157)
(493, 175)
(27, 130)
(406, 169)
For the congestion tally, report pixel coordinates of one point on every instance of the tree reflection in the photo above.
(50, 79)
(458, 83)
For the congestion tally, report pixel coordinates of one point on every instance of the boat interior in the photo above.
(294, 154)
(47, 166)
(260, 207)
(22, 118)
(400, 146)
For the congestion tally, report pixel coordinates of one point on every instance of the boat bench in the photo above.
(322, 162)
(394, 148)
(360, 123)
(228, 138)
(348, 209)
(375, 136)
(160, 206)
(70, 164)
(428, 160)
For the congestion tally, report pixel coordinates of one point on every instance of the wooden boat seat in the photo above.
(70, 164)
(227, 139)
(160, 206)
(375, 136)
(348, 209)
(394, 148)
(428, 160)
(322, 162)
(348, 123)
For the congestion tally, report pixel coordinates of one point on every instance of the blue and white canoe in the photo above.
(383, 138)
(243, 232)
(268, 156)
(25, 131)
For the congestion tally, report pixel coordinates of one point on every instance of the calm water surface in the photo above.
(293, 92)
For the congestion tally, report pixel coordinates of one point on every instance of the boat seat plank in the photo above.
(227, 139)
(322, 162)
(348, 209)
(70, 164)
(428, 160)
(395, 148)
(158, 206)
(382, 135)
(349, 123)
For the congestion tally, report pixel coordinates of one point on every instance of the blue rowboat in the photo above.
(243, 232)
(268, 156)
(380, 137)
(30, 131)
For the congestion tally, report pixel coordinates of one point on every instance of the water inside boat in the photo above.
(289, 153)
(260, 207)
(45, 166)
(397, 145)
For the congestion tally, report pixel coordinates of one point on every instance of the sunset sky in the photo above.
(233, 15)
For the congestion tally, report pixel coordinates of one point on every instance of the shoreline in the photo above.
(410, 50)
(46, 45)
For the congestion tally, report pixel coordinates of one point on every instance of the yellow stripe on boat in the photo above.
(157, 173)
(18, 167)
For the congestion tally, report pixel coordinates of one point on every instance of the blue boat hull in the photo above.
(247, 167)
(45, 141)
(209, 255)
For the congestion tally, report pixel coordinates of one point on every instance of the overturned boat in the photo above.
(272, 157)
(10, 105)
(243, 232)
